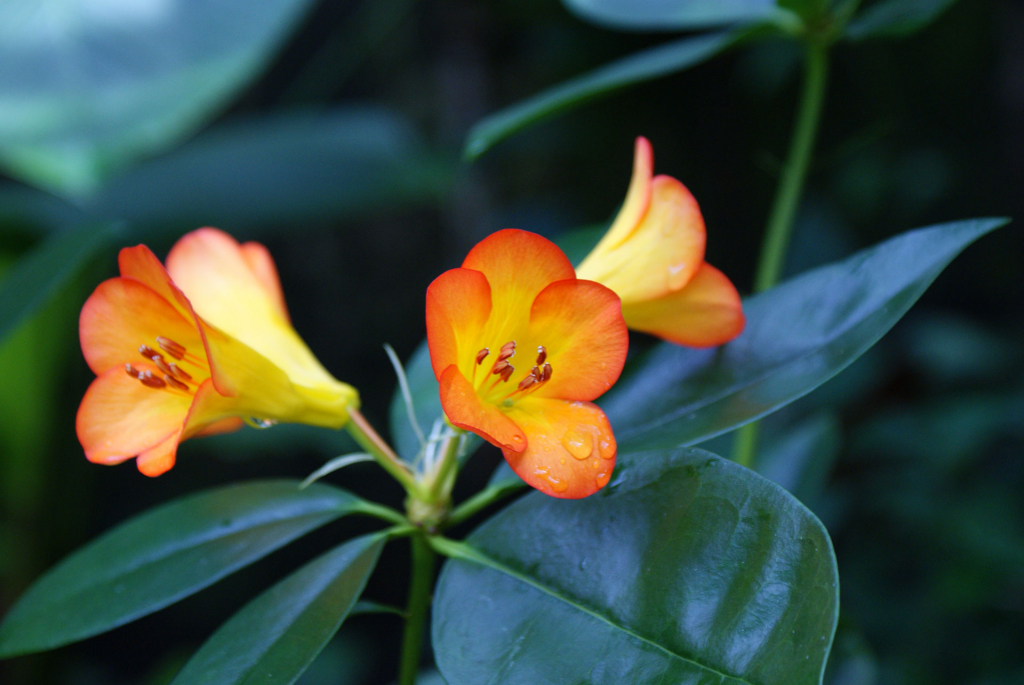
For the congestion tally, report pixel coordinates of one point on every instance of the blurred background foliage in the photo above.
(334, 132)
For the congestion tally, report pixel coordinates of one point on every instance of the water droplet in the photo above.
(260, 423)
(517, 438)
(596, 464)
(677, 276)
(606, 449)
(603, 477)
(558, 484)
(579, 445)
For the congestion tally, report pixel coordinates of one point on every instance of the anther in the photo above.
(162, 365)
(148, 352)
(507, 372)
(542, 354)
(131, 370)
(500, 366)
(508, 350)
(180, 373)
(174, 382)
(545, 373)
(482, 355)
(170, 347)
(528, 381)
(149, 380)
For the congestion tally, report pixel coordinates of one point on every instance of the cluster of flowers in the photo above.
(521, 343)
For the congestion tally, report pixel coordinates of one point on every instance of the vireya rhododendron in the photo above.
(194, 349)
(520, 346)
(653, 258)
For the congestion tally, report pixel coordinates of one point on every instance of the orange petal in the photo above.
(662, 254)
(159, 459)
(122, 314)
(141, 264)
(638, 198)
(263, 268)
(214, 272)
(580, 325)
(228, 425)
(465, 409)
(458, 304)
(518, 265)
(707, 312)
(120, 418)
(570, 449)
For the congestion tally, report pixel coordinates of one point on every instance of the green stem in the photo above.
(420, 586)
(787, 199)
(441, 486)
(479, 501)
(364, 434)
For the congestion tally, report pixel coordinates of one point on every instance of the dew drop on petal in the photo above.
(603, 477)
(558, 484)
(579, 445)
(606, 449)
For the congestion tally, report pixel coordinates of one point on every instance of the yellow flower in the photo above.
(193, 350)
(653, 258)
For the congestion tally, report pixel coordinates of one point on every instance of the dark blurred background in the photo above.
(339, 146)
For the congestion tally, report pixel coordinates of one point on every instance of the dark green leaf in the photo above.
(801, 459)
(282, 168)
(798, 335)
(164, 555)
(275, 637)
(686, 568)
(671, 15)
(48, 267)
(642, 66)
(895, 18)
(368, 607)
(100, 85)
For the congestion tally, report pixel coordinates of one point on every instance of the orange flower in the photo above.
(653, 258)
(520, 346)
(194, 349)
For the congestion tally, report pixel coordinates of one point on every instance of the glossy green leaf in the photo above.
(895, 18)
(280, 168)
(643, 66)
(164, 555)
(798, 335)
(46, 269)
(686, 568)
(276, 636)
(98, 85)
(671, 15)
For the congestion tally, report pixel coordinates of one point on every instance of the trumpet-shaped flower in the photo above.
(520, 347)
(653, 258)
(194, 349)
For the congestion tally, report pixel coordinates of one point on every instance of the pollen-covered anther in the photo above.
(508, 350)
(500, 366)
(530, 380)
(172, 348)
(174, 382)
(542, 354)
(482, 355)
(131, 371)
(162, 365)
(507, 372)
(179, 372)
(148, 352)
(148, 379)
(545, 372)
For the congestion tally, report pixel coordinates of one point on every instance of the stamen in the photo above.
(500, 367)
(508, 350)
(482, 355)
(148, 352)
(542, 354)
(170, 347)
(507, 373)
(545, 373)
(162, 365)
(131, 370)
(528, 381)
(174, 382)
(149, 380)
(179, 372)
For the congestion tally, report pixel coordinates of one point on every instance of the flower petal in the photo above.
(464, 409)
(141, 264)
(662, 254)
(458, 305)
(122, 314)
(120, 418)
(580, 325)
(215, 274)
(570, 450)
(159, 459)
(518, 265)
(638, 198)
(257, 256)
(707, 312)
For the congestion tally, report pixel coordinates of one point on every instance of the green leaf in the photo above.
(685, 568)
(275, 637)
(798, 335)
(671, 15)
(895, 18)
(643, 66)
(368, 607)
(801, 459)
(100, 85)
(164, 555)
(282, 168)
(46, 269)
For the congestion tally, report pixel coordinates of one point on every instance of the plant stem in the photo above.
(364, 434)
(787, 199)
(441, 487)
(420, 586)
(479, 501)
